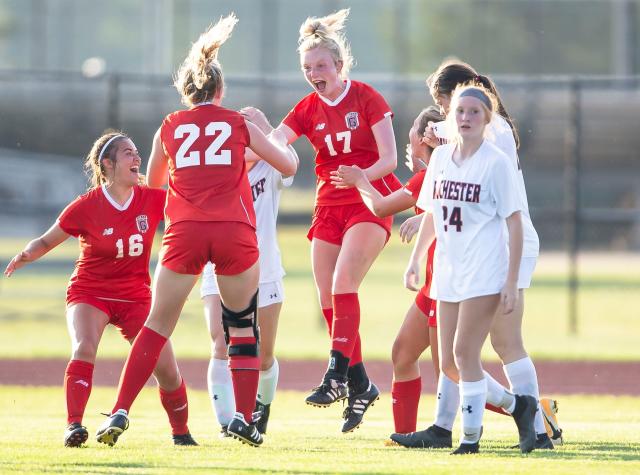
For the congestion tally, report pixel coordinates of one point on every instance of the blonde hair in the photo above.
(199, 77)
(475, 90)
(103, 148)
(326, 32)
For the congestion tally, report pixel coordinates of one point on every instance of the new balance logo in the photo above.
(467, 408)
(320, 126)
(83, 383)
(181, 408)
(107, 232)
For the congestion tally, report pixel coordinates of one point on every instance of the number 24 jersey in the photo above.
(115, 242)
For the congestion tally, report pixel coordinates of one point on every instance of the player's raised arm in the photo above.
(273, 149)
(37, 248)
(158, 165)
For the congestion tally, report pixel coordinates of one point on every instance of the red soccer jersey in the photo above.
(413, 186)
(340, 132)
(115, 242)
(207, 173)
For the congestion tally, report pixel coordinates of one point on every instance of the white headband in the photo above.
(107, 144)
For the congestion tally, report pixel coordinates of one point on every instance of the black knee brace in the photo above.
(237, 320)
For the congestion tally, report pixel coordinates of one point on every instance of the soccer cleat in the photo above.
(327, 393)
(223, 432)
(246, 433)
(262, 419)
(184, 439)
(467, 449)
(549, 408)
(433, 437)
(524, 414)
(357, 406)
(544, 442)
(75, 435)
(111, 429)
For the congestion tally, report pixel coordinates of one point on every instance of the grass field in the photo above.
(302, 439)
(32, 307)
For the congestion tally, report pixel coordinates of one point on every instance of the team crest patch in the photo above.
(143, 223)
(351, 118)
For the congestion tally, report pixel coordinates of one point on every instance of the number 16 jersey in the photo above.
(115, 242)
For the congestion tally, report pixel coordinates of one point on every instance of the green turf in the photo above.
(303, 439)
(32, 308)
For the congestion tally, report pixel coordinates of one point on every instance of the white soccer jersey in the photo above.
(266, 186)
(499, 133)
(470, 204)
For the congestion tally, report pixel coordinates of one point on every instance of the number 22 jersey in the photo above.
(115, 242)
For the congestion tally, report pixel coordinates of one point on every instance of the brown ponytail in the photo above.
(103, 148)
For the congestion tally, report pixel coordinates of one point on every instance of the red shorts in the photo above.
(329, 223)
(188, 245)
(427, 306)
(128, 317)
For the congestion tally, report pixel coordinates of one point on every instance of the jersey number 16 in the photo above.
(135, 246)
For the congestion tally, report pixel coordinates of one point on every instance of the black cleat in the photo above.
(223, 432)
(184, 439)
(358, 405)
(544, 442)
(263, 411)
(524, 414)
(245, 433)
(433, 437)
(111, 429)
(75, 435)
(467, 449)
(327, 393)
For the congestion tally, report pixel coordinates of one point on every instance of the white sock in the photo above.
(447, 403)
(498, 395)
(473, 395)
(524, 380)
(268, 383)
(221, 390)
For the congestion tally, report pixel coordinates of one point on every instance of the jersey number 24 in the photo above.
(213, 155)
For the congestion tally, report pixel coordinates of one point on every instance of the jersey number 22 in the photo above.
(213, 155)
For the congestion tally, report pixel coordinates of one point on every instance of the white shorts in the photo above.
(527, 266)
(268, 292)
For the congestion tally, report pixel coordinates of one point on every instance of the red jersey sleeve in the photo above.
(158, 198)
(414, 184)
(71, 219)
(296, 118)
(375, 106)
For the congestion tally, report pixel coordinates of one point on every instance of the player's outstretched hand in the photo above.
(412, 276)
(410, 227)
(17, 262)
(256, 116)
(509, 297)
(347, 176)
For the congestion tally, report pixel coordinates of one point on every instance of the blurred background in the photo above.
(568, 72)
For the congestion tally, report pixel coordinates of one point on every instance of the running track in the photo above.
(555, 377)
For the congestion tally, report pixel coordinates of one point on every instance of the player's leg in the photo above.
(219, 384)
(170, 291)
(439, 435)
(86, 324)
(240, 322)
(412, 339)
(362, 243)
(271, 294)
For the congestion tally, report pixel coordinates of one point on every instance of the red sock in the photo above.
(177, 407)
(245, 374)
(77, 388)
(356, 356)
(346, 321)
(140, 363)
(405, 397)
(496, 409)
(327, 313)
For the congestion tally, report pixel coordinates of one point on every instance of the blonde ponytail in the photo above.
(327, 32)
(199, 78)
